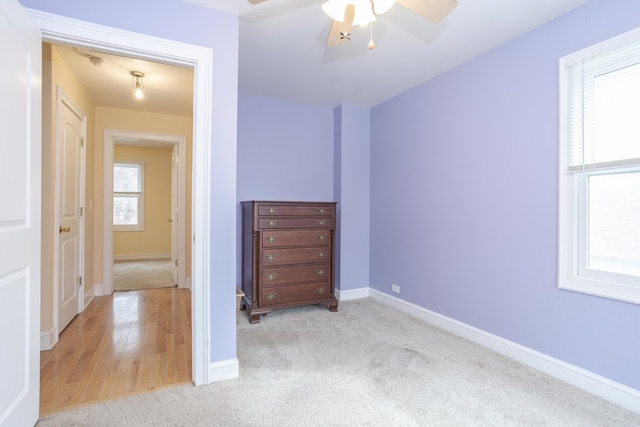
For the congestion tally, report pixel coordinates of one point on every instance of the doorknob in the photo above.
(65, 229)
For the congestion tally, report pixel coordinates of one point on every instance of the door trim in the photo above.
(63, 98)
(64, 30)
(138, 139)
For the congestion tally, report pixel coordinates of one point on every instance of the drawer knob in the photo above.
(272, 239)
(271, 257)
(272, 222)
(322, 210)
(321, 222)
(271, 210)
(320, 272)
(271, 295)
(320, 254)
(271, 276)
(322, 237)
(322, 290)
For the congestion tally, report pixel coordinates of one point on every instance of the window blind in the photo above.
(604, 110)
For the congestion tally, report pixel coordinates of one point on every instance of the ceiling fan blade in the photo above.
(433, 10)
(256, 1)
(340, 32)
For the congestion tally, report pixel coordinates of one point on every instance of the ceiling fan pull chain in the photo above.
(371, 44)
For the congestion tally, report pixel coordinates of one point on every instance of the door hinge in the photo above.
(81, 210)
(176, 262)
(82, 142)
(79, 281)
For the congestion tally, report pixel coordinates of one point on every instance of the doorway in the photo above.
(59, 30)
(163, 236)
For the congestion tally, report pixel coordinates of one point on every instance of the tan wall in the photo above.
(156, 237)
(112, 118)
(55, 72)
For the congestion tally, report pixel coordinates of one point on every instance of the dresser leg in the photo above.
(332, 306)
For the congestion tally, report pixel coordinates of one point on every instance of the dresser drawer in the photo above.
(295, 273)
(273, 257)
(279, 238)
(287, 294)
(300, 210)
(295, 222)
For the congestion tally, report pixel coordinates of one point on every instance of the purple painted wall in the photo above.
(352, 192)
(285, 150)
(188, 23)
(464, 199)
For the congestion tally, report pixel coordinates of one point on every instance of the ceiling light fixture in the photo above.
(364, 9)
(138, 84)
(96, 60)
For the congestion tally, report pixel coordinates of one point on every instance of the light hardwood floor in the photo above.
(127, 343)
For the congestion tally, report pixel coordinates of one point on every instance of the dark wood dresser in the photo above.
(288, 255)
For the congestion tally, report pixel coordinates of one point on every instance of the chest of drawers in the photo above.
(288, 255)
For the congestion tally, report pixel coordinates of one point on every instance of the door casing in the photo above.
(69, 31)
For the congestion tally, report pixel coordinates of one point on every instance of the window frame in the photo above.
(573, 273)
(138, 195)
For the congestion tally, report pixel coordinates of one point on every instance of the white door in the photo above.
(20, 151)
(70, 134)
(174, 214)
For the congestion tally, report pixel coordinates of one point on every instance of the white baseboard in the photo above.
(140, 257)
(98, 290)
(620, 394)
(350, 294)
(187, 283)
(224, 370)
(48, 339)
(88, 297)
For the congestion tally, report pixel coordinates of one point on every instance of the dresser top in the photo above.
(272, 202)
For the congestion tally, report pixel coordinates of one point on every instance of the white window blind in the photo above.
(604, 110)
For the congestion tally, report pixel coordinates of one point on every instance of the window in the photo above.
(599, 179)
(128, 196)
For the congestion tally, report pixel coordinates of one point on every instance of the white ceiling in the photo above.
(283, 53)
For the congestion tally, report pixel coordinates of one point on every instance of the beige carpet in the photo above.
(136, 275)
(366, 365)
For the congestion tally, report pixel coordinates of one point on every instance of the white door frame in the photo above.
(62, 97)
(139, 139)
(64, 30)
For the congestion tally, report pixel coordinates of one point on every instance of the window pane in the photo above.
(614, 223)
(616, 128)
(125, 210)
(126, 178)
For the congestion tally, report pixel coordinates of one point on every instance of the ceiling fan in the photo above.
(346, 13)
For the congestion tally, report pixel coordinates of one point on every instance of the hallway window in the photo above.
(128, 196)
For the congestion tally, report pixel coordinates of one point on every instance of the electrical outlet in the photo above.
(395, 288)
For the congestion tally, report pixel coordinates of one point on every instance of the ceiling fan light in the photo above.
(363, 12)
(335, 9)
(381, 6)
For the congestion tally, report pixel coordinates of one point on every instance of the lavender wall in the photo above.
(184, 22)
(464, 199)
(285, 150)
(352, 192)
